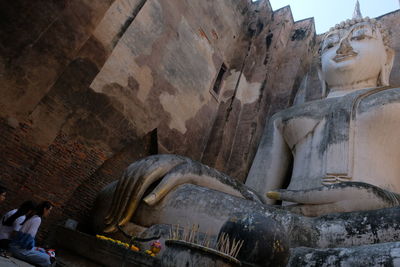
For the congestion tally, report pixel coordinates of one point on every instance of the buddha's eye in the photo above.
(328, 45)
(330, 42)
(361, 33)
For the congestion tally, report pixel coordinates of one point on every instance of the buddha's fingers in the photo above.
(191, 173)
(135, 178)
(115, 203)
(121, 192)
(146, 175)
(125, 214)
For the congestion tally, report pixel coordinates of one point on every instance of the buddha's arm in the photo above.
(341, 197)
(270, 167)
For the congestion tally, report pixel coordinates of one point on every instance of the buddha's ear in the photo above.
(386, 68)
(324, 91)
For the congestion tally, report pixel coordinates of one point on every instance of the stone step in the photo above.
(13, 262)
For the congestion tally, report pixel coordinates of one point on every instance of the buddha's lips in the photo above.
(340, 57)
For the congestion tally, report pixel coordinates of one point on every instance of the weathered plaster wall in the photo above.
(57, 134)
(163, 78)
(392, 21)
(88, 88)
(278, 58)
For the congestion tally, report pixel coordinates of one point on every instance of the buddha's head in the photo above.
(355, 54)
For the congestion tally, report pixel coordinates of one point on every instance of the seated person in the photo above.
(12, 221)
(22, 245)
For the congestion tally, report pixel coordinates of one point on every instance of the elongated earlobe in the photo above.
(324, 91)
(384, 75)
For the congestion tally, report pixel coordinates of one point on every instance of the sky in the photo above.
(327, 13)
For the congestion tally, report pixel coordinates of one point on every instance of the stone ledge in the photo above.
(77, 245)
(13, 262)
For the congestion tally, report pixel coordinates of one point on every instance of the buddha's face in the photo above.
(352, 55)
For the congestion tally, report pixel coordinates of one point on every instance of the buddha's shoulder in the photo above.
(380, 98)
(363, 100)
(316, 108)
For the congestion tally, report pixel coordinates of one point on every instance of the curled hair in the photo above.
(384, 75)
(350, 22)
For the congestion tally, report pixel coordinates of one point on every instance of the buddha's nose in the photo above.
(345, 47)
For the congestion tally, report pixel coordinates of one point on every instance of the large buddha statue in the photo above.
(339, 154)
(351, 135)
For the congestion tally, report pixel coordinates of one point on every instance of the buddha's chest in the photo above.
(347, 142)
(330, 123)
(320, 131)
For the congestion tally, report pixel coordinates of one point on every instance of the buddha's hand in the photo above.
(169, 171)
(341, 197)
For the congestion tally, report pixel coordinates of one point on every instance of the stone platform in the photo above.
(79, 249)
(13, 262)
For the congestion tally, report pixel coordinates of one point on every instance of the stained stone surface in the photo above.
(387, 254)
(265, 242)
(13, 262)
(88, 89)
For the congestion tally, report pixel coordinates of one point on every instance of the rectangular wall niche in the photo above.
(217, 84)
